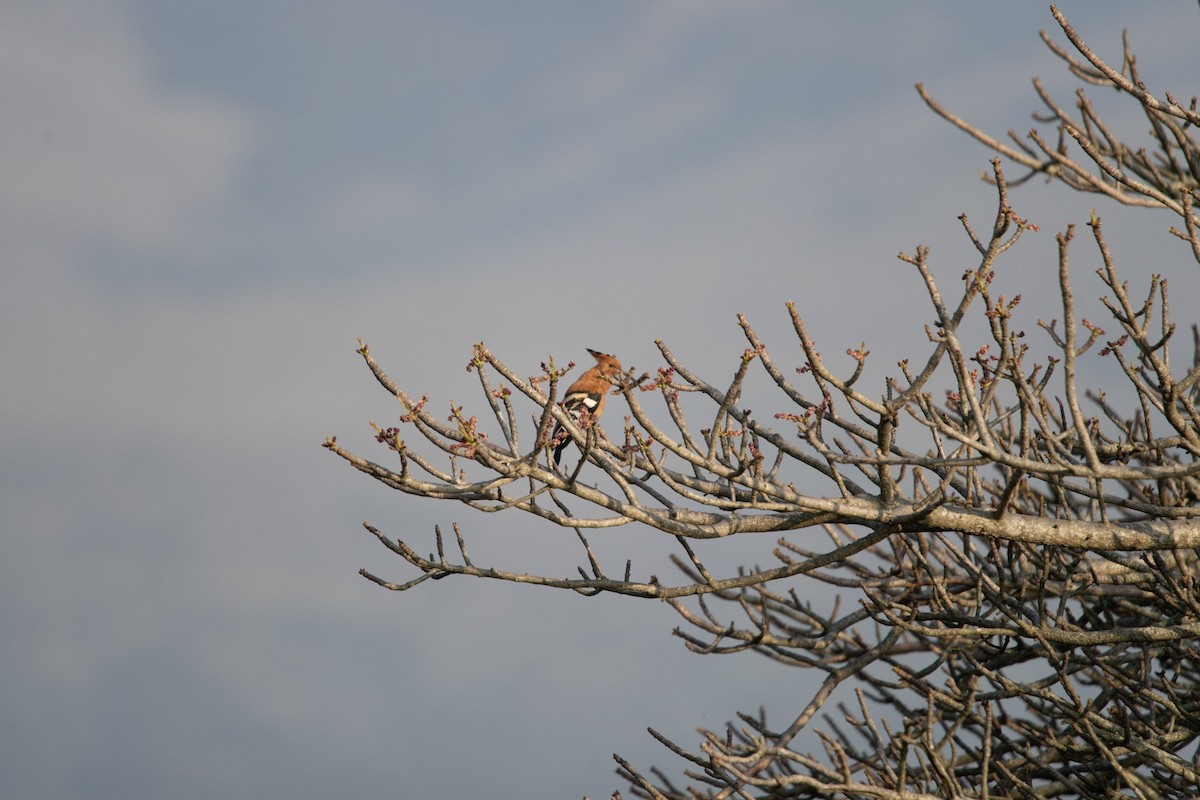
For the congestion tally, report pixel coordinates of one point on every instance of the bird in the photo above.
(586, 396)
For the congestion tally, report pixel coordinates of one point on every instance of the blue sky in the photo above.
(206, 204)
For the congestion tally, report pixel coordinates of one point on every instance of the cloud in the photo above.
(93, 149)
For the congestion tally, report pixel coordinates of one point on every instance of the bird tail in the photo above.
(562, 445)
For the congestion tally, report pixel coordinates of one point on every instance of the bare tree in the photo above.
(1023, 558)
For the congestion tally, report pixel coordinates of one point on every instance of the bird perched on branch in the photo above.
(584, 400)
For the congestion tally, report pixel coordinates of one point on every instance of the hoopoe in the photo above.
(586, 396)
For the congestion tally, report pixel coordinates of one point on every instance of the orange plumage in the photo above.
(586, 396)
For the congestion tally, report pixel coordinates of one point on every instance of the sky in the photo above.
(206, 205)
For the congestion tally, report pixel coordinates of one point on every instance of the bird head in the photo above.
(608, 365)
